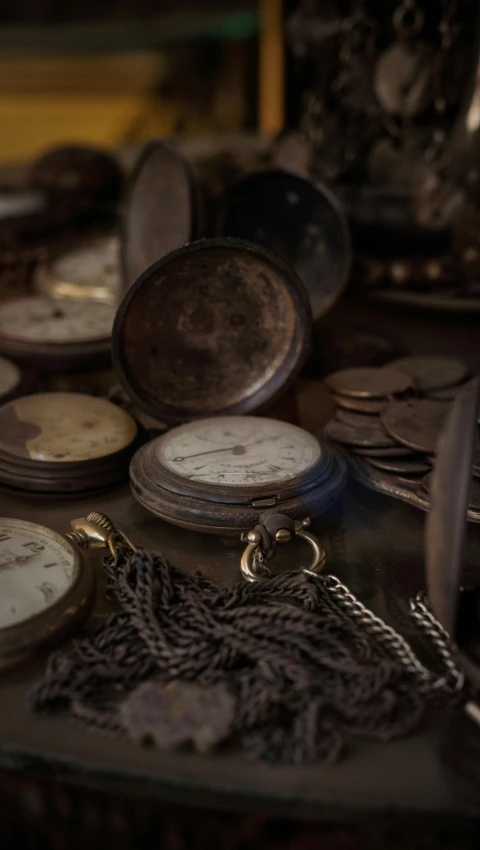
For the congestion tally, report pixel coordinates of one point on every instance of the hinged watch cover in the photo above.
(220, 326)
(160, 209)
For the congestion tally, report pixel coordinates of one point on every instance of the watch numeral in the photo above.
(34, 547)
(5, 536)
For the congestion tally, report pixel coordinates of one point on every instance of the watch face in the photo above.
(238, 451)
(64, 428)
(94, 265)
(10, 376)
(40, 319)
(37, 567)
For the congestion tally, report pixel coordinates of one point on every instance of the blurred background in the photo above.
(116, 72)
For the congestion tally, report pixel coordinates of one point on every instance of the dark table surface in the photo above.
(376, 546)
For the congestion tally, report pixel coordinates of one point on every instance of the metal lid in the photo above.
(159, 209)
(217, 326)
(301, 221)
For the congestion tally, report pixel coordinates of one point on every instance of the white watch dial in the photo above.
(37, 567)
(238, 451)
(94, 265)
(40, 319)
(64, 427)
(10, 376)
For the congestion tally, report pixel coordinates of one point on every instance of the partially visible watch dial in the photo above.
(64, 427)
(46, 588)
(37, 568)
(88, 270)
(64, 442)
(40, 319)
(239, 451)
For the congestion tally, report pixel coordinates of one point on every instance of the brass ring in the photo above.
(318, 562)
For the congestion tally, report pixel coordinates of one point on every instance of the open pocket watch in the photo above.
(215, 329)
(47, 589)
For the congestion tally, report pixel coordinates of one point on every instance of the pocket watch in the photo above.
(220, 474)
(46, 588)
(299, 220)
(160, 209)
(64, 443)
(215, 329)
(87, 269)
(62, 335)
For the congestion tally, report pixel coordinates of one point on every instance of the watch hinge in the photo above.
(264, 503)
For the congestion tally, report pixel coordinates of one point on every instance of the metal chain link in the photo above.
(429, 683)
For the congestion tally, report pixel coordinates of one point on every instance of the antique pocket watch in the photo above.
(63, 335)
(64, 443)
(216, 329)
(46, 588)
(88, 269)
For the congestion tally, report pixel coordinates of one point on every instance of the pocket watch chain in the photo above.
(97, 530)
(276, 528)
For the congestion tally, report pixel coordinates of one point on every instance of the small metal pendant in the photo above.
(404, 77)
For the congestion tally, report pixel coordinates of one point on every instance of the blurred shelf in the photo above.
(170, 29)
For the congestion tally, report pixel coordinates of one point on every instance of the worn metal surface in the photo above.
(433, 373)
(159, 211)
(217, 326)
(300, 221)
(369, 383)
(359, 435)
(416, 423)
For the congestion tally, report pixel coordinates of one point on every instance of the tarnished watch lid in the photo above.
(159, 209)
(299, 220)
(219, 326)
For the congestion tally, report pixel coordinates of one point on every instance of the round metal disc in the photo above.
(407, 466)
(394, 452)
(361, 435)
(352, 417)
(219, 326)
(369, 382)
(416, 423)
(159, 209)
(432, 373)
(381, 476)
(371, 406)
(300, 221)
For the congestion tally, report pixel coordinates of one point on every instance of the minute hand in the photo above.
(228, 449)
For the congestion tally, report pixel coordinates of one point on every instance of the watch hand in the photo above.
(236, 449)
(22, 559)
